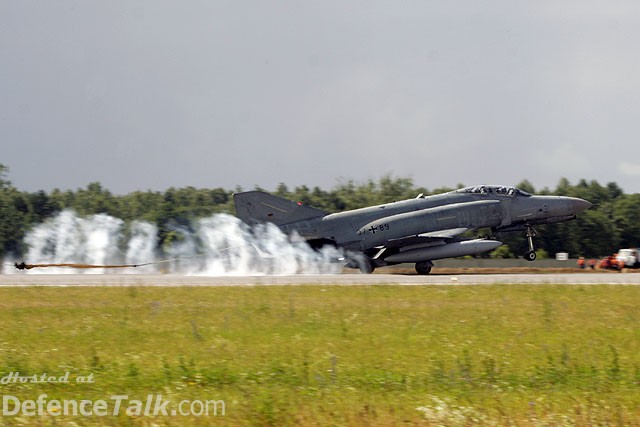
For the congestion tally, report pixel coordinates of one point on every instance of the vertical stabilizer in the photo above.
(256, 206)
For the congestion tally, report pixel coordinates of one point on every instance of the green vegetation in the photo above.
(334, 355)
(613, 223)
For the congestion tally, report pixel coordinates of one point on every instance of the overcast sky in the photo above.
(153, 94)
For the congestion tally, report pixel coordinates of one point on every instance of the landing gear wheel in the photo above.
(424, 268)
(530, 255)
(366, 266)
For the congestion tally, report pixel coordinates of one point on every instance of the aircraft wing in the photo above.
(445, 234)
(432, 238)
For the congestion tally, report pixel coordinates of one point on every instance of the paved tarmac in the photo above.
(22, 279)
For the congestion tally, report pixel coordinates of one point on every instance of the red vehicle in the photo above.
(609, 263)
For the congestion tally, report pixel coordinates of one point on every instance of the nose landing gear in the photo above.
(530, 255)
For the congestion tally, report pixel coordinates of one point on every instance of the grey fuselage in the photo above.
(501, 208)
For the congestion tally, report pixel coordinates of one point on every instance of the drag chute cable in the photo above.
(24, 266)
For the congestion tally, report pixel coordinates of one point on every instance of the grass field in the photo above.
(330, 355)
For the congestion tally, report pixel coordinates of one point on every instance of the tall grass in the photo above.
(334, 355)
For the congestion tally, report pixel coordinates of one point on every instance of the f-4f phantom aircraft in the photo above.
(417, 230)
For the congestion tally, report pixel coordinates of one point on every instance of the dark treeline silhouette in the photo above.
(612, 223)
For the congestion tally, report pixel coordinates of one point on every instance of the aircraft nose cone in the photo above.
(579, 205)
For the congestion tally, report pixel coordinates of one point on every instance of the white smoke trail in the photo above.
(219, 245)
(141, 246)
(102, 234)
(69, 237)
(234, 248)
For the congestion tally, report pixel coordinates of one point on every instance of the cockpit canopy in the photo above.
(500, 190)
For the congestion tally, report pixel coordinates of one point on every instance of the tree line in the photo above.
(612, 223)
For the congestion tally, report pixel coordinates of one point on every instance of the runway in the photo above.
(19, 280)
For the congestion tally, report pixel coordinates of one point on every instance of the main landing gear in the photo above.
(366, 266)
(530, 255)
(423, 268)
(361, 262)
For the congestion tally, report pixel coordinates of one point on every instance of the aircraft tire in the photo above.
(530, 255)
(366, 266)
(423, 268)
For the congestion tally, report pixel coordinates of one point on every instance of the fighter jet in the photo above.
(416, 230)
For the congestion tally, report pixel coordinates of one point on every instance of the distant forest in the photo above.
(612, 223)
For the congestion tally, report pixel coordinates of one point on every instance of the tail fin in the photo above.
(257, 206)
